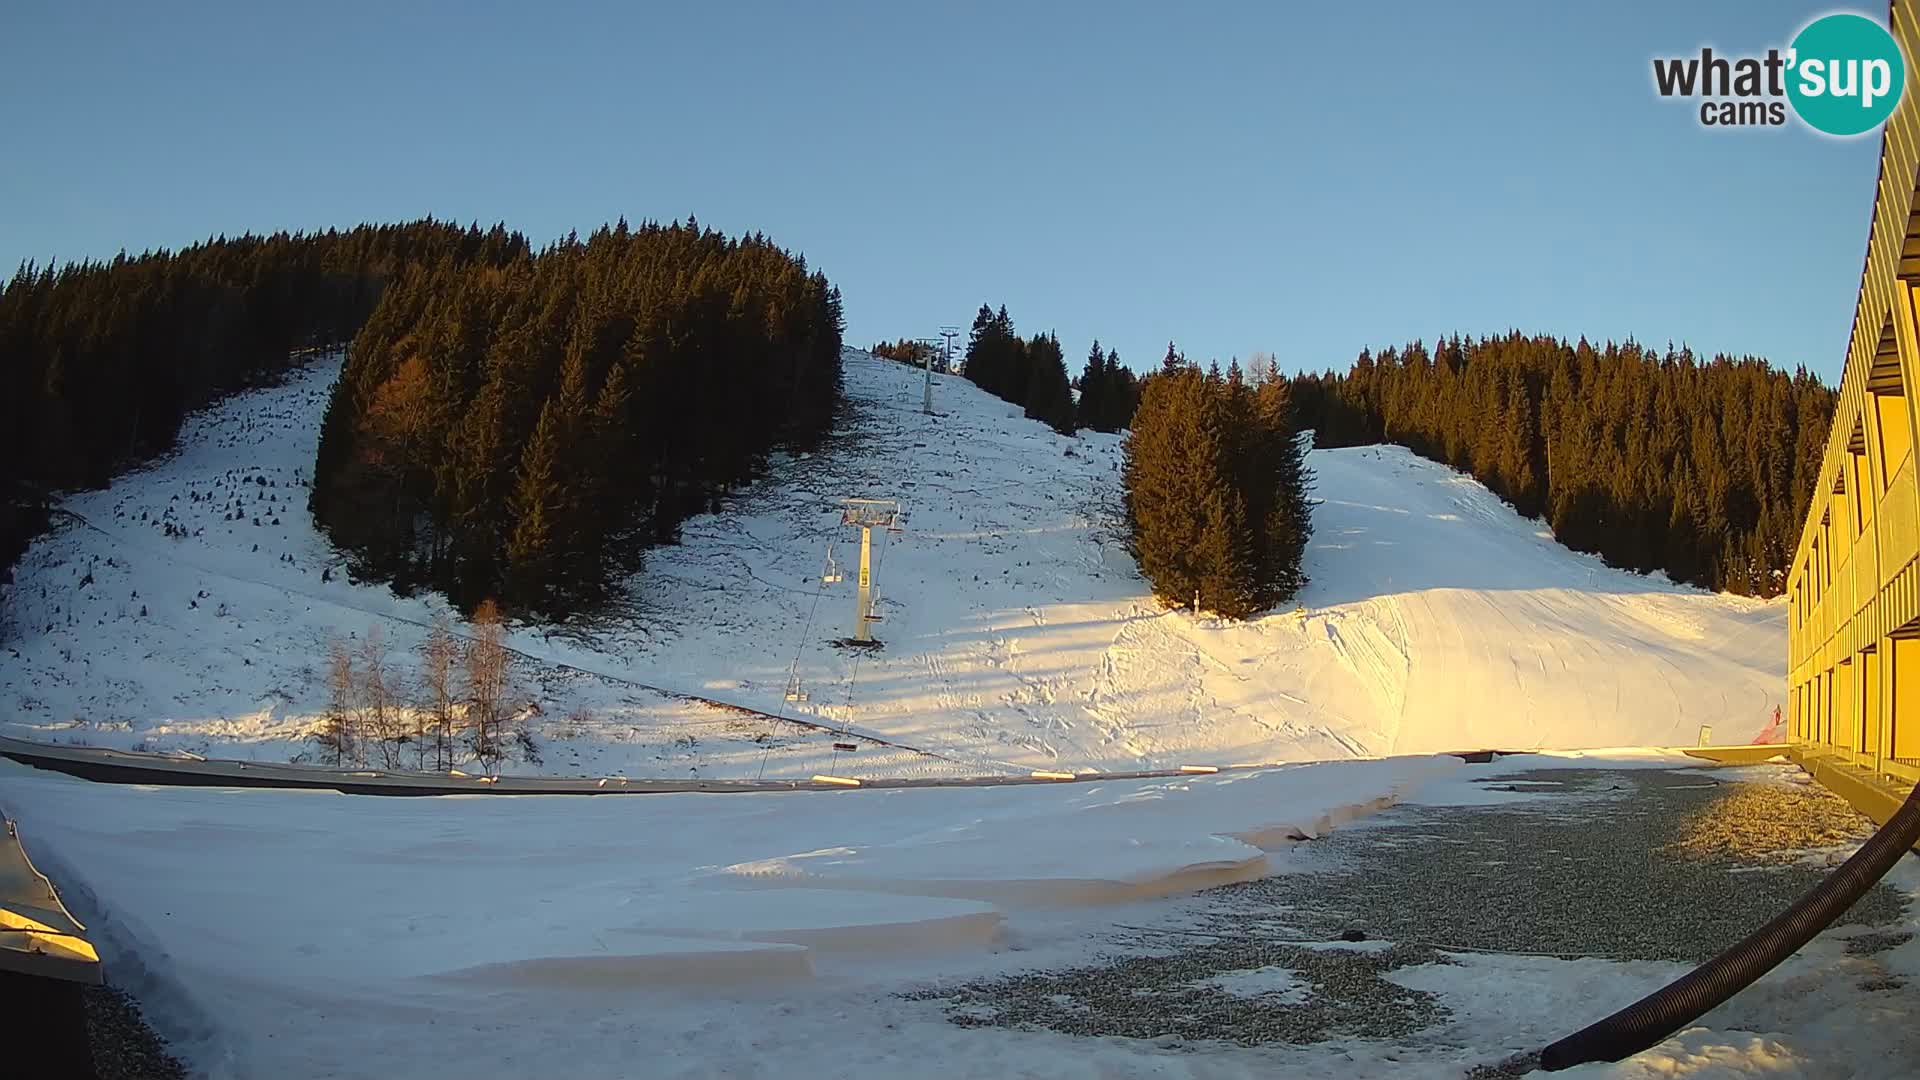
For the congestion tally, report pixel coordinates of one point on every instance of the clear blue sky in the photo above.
(1305, 180)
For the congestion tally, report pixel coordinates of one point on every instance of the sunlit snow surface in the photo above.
(1018, 632)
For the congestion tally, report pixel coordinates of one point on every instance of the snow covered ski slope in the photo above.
(189, 606)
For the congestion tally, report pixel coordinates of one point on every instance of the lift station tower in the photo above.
(867, 514)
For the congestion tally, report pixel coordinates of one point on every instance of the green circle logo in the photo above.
(1845, 74)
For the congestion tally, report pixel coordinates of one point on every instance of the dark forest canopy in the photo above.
(1216, 489)
(1653, 460)
(1032, 373)
(1109, 392)
(525, 429)
(100, 361)
(1028, 372)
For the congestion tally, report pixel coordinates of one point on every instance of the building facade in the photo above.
(1853, 670)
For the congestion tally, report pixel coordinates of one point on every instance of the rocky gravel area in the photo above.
(124, 1047)
(1179, 998)
(1626, 865)
(1769, 822)
(1617, 864)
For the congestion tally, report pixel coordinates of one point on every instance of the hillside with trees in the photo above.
(1216, 489)
(524, 430)
(1653, 460)
(104, 359)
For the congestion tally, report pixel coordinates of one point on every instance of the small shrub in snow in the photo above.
(529, 750)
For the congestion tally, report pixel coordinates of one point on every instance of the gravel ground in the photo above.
(124, 1047)
(1174, 998)
(1631, 864)
(1759, 822)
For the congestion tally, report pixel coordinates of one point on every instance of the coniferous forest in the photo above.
(1216, 489)
(1109, 392)
(523, 430)
(1028, 372)
(508, 423)
(102, 360)
(1652, 460)
(521, 424)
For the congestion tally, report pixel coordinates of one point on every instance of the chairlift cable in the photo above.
(793, 669)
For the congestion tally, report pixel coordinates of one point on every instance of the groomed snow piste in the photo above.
(185, 608)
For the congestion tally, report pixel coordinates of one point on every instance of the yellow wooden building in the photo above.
(1853, 668)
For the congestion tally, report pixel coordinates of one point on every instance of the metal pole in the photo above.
(863, 610)
(947, 334)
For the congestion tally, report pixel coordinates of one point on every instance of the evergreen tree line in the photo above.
(100, 361)
(1216, 489)
(524, 430)
(1028, 372)
(1652, 460)
(1109, 392)
(910, 352)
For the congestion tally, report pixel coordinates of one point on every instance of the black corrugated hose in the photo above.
(1660, 1014)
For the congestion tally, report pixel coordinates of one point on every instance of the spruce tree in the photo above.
(1169, 471)
(1092, 409)
(1049, 397)
(1216, 492)
(535, 546)
(1288, 513)
(980, 355)
(1123, 394)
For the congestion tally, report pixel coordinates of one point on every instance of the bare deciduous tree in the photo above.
(1262, 369)
(336, 738)
(382, 724)
(439, 655)
(486, 671)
